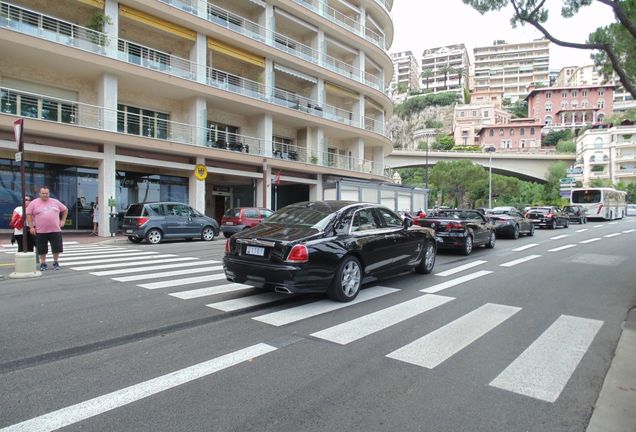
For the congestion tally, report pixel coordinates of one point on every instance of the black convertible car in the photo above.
(328, 246)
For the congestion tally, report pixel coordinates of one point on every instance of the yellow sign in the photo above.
(201, 172)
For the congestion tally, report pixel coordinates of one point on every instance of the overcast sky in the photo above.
(421, 24)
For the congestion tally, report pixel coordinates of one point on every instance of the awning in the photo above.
(341, 91)
(96, 3)
(237, 53)
(296, 74)
(157, 23)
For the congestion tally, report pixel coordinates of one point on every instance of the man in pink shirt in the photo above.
(46, 216)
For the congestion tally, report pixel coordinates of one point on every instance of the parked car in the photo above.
(576, 213)
(240, 218)
(327, 246)
(158, 220)
(460, 229)
(631, 210)
(548, 217)
(510, 222)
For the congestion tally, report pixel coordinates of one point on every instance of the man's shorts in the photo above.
(42, 241)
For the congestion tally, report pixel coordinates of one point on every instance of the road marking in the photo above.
(364, 326)
(109, 255)
(519, 261)
(590, 240)
(612, 223)
(246, 302)
(453, 282)
(204, 292)
(153, 267)
(581, 230)
(629, 231)
(545, 367)
(461, 268)
(119, 398)
(561, 248)
(128, 259)
(597, 226)
(168, 274)
(320, 307)
(181, 282)
(612, 235)
(10, 246)
(98, 251)
(528, 246)
(155, 259)
(433, 349)
(558, 237)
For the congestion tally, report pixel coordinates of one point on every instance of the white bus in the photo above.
(601, 203)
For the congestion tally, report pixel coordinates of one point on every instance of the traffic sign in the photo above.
(565, 193)
(575, 171)
(567, 180)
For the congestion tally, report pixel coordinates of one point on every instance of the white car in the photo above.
(631, 210)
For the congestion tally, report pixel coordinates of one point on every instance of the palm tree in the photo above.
(446, 70)
(460, 74)
(427, 74)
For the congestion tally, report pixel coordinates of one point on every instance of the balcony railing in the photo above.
(35, 24)
(46, 108)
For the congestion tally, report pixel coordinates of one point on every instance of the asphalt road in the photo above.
(517, 338)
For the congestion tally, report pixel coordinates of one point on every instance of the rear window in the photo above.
(233, 212)
(586, 196)
(301, 216)
(135, 210)
(539, 210)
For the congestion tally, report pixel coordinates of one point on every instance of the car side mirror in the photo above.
(407, 223)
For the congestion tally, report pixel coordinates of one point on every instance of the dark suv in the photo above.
(240, 218)
(576, 213)
(158, 220)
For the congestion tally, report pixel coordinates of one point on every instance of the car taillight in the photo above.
(227, 246)
(455, 225)
(298, 254)
(142, 220)
(525, 215)
(549, 215)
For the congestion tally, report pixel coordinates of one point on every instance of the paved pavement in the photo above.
(614, 409)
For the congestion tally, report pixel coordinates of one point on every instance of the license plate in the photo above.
(129, 231)
(255, 250)
(229, 223)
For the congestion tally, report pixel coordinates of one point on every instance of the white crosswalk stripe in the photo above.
(106, 255)
(146, 260)
(320, 307)
(560, 248)
(519, 261)
(528, 246)
(558, 237)
(181, 282)
(461, 268)
(592, 240)
(126, 258)
(612, 235)
(364, 326)
(597, 226)
(153, 267)
(204, 292)
(581, 230)
(246, 302)
(168, 274)
(434, 348)
(629, 231)
(545, 367)
(453, 282)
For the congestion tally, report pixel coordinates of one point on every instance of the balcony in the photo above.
(50, 109)
(71, 35)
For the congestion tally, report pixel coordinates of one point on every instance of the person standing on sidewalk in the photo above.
(18, 233)
(45, 217)
(95, 216)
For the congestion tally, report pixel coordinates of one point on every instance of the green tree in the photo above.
(422, 145)
(412, 176)
(459, 71)
(565, 146)
(614, 46)
(519, 109)
(427, 73)
(553, 137)
(414, 105)
(556, 172)
(446, 70)
(443, 142)
(456, 179)
(402, 88)
(433, 124)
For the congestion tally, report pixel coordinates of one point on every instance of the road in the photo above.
(143, 337)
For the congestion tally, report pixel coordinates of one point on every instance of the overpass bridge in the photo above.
(523, 165)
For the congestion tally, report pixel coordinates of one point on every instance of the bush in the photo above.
(417, 104)
(466, 148)
(566, 147)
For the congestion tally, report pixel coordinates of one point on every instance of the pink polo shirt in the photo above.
(46, 215)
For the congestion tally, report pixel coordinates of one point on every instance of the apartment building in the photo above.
(406, 71)
(487, 97)
(445, 69)
(511, 67)
(286, 92)
(469, 119)
(607, 154)
(570, 107)
(518, 135)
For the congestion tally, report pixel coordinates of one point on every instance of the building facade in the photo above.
(570, 107)
(445, 69)
(252, 91)
(518, 135)
(607, 154)
(406, 72)
(468, 120)
(511, 68)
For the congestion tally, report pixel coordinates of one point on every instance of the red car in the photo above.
(241, 218)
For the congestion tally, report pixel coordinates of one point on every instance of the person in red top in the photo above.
(45, 217)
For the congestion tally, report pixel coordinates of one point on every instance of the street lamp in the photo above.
(426, 175)
(490, 150)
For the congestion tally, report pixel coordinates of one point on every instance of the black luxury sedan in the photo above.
(328, 246)
(510, 222)
(548, 217)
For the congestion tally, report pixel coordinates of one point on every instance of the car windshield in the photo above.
(301, 216)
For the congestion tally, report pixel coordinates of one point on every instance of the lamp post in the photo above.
(426, 175)
(490, 151)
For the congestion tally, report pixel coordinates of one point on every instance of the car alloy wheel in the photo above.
(493, 239)
(208, 233)
(531, 233)
(468, 245)
(154, 236)
(346, 284)
(428, 260)
(515, 232)
(553, 225)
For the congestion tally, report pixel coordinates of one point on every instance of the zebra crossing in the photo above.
(567, 339)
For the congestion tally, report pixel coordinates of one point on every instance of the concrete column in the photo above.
(361, 64)
(320, 46)
(270, 79)
(107, 98)
(316, 145)
(358, 111)
(111, 10)
(315, 191)
(202, 9)
(198, 56)
(264, 131)
(357, 153)
(106, 189)
(196, 190)
(378, 160)
(198, 118)
(261, 199)
(269, 22)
